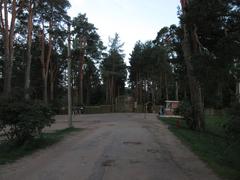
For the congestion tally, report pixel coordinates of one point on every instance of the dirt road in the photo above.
(112, 147)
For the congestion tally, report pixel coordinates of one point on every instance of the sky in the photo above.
(133, 20)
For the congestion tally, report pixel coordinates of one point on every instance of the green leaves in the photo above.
(20, 120)
(114, 69)
(82, 29)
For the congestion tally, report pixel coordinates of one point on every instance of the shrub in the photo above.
(232, 127)
(185, 110)
(20, 120)
(58, 105)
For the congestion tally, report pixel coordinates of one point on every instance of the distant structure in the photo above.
(170, 107)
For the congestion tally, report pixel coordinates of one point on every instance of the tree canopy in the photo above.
(200, 53)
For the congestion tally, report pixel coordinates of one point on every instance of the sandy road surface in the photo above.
(112, 147)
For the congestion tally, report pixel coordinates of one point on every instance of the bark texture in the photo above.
(190, 46)
(29, 47)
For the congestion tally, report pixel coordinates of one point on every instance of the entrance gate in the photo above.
(124, 104)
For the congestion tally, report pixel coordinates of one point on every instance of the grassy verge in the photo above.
(10, 152)
(211, 146)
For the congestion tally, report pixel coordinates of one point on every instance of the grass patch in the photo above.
(211, 146)
(10, 152)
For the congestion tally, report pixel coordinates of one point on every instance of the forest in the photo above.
(195, 61)
(52, 64)
(34, 54)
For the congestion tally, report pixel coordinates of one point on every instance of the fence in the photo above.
(98, 109)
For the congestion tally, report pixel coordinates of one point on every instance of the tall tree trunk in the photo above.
(141, 92)
(220, 95)
(81, 79)
(112, 90)
(137, 88)
(160, 87)
(53, 74)
(185, 92)
(7, 60)
(48, 62)
(8, 34)
(107, 91)
(45, 89)
(76, 90)
(88, 93)
(45, 64)
(44, 68)
(166, 87)
(145, 91)
(51, 90)
(29, 47)
(176, 91)
(113, 84)
(118, 91)
(153, 96)
(190, 45)
(77, 78)
(42, 59)
(194, 85)
(238, 90)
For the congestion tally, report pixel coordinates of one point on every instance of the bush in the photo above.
(185, 110)
(20, 120)
(56, 106)
(232, 127)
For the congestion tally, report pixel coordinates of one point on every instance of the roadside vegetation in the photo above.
(21, 128)
(197, 60)
(215, 146)
(9, 151)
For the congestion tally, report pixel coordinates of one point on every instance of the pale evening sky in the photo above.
(133, 20)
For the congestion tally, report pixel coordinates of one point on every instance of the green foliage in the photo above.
(9, 152)
(185, 110)
(86, 31)
(232, 126)
(113, 69)
(20, 121)
(211, 146)
(150, 65)
(217, 26)
(87, 43)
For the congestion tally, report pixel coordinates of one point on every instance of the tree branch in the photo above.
(21, 5)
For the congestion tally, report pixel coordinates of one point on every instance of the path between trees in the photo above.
(112, 147)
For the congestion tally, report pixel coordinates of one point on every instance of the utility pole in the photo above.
(69, 78)
(81, 78)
